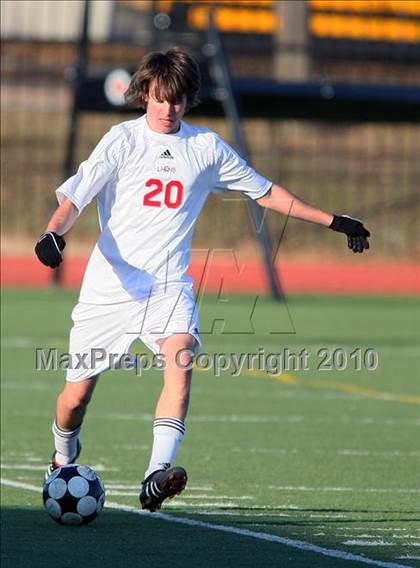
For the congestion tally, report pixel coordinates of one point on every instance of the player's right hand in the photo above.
(356, 233)
(48, 249)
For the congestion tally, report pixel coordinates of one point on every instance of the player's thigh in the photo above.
(171, 319)
(101, 334)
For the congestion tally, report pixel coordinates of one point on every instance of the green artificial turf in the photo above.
(330, 458)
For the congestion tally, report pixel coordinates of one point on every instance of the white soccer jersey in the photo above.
(150, 188)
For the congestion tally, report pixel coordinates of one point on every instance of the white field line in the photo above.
(344, 489)
(280, 451)
(23, 342)
(234, 418)
(374, 529)
(32, 467)
(258, 419)
(412, 453)
(406, 537)
(305, 394)
(243, 418)
(176, 503)
(23, 466)
(241, 514)
(215, 504)
(327, 516)
(368, 543)
(299, 544)
(34, 385)
(343, 452)
(111, 485)
(236, 497)
(265, 419)
(111, 491)
(102, 468)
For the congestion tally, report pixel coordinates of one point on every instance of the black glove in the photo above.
(356, 233)
(48, 249)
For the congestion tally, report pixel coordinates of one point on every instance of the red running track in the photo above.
(223, 274)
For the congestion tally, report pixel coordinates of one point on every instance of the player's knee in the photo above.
(75, 400)
(191, 344)
(181, 361)
(74, 403)
(179, 348)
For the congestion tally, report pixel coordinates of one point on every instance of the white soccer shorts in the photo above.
(104, 332)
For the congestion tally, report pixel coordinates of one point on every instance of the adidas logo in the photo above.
(166, 154)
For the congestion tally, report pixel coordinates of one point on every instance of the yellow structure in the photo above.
(374, 20)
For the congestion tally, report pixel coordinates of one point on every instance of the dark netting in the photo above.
(368, 168)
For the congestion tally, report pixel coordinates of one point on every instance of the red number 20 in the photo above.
(173, 193)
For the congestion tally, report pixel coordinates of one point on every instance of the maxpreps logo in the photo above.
(165, 163)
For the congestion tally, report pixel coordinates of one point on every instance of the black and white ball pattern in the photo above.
(73, 495)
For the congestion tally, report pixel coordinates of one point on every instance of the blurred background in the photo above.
(328, 93)
(328, 99)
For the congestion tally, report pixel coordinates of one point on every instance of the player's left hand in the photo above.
(356, 233)
(48, 249)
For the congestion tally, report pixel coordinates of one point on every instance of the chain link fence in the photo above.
(366, 169)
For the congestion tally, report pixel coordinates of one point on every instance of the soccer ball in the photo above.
(73, 495)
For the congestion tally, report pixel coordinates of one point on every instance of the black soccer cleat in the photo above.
(161, 485)
(53, 465)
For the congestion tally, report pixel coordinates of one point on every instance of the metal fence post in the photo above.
(223, 79)
(77, 81)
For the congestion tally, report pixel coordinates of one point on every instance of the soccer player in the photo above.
(151, 177)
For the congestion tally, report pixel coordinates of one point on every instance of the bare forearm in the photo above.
(302, 210)
(281, 200)
(63, 218)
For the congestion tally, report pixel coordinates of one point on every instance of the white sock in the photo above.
(65, 442)
(167, 434)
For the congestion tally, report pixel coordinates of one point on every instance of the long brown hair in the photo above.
(170, 75)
